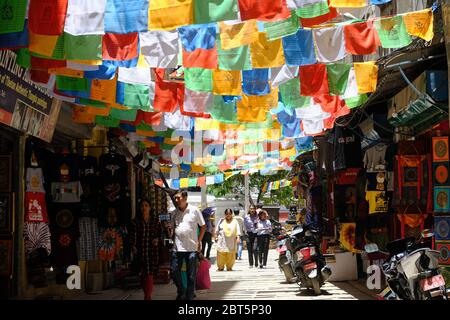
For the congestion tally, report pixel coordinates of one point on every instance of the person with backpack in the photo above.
(227, 239)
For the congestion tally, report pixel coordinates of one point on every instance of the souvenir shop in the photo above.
(384, 178)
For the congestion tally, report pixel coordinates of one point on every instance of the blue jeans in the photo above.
(239, 247)
(190, 258)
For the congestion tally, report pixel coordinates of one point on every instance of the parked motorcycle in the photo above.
(412, 270)
(301, 259)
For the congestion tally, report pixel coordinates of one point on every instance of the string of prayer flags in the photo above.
(85, 17)
(266, 54)
(126, 16)
(299, 48)
(181, 13)
(12, 19)
(330, 44)
(360, 38)
(47, 17)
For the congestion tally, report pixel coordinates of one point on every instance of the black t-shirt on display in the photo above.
(113, 177)
(347, 148)
(376, 181)
(66, 168)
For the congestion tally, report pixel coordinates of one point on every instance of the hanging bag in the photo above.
(203, 280)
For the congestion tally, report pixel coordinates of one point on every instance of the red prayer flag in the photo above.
(201, 181)
(264, 10)
(120, 46)
(45, 64)
(41, 76)
(360, 38)
(47, 17)
(201, 58)
(313, 80)
(166, 95)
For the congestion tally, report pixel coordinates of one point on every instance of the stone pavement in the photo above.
(244, 283)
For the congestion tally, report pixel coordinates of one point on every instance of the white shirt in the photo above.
(186, 228)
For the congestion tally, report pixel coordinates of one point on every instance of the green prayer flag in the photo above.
(392, 32)
(107, 121)
(223, 112)
(72, 84)
(85, 47)
(192, 182)
(90, 102)
(356, 101)
(198, 79)
(166, 146)
(12, 16)
(59, 52)
(23, 58)
(278, 29)
(234, 59)
(137, 96)
(290, 95)
(313, 10)
(126, 115)
(207, 11)
(338, 77)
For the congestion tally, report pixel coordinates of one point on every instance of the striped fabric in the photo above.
(37, 235)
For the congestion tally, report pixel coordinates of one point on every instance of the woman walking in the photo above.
(146, 231)
(250, 223)
(263, 229)
(227, 239)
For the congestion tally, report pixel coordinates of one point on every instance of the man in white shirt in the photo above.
(186, 221)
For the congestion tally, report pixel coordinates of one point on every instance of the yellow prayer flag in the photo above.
(288, 153)
(366, 76)
(227, 82)
(348, 3)
(146, 133)
(238, 34)
(66, 72)
(142, 63)
(197, 169)
(41, 44)
(420, 24)
(104, 90)
(206, 124)
(267, 54)
(170, 14)
(184, 182)
(88, 62)
(149, 144)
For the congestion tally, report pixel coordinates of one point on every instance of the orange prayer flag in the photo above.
(366, 76)
(238, 34)
(98, 111)
(120, 46)
(420, 24)
(227, 83)
(267, 54)
(104, 90)
(80, 115)
(42, 44)
(170, 14)
(201, 58)
(66, 72)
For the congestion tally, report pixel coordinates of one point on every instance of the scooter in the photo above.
(412, 270)
(303, 258)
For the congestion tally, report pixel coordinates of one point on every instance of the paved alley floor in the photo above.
(244, 283)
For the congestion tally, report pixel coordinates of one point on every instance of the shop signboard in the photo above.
(24, 105)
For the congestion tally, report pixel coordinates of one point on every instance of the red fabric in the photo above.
(147, 286)
(263, 10)
(201, 181)
(120, 46)
(41, 76)
(47, 17)
(166, 93)
(348, 176)
(35, 207)
(309, 22)
(360, 38)
(45, 64)
(155, 150)
(152, 118)
(313, 80)
(201, 58)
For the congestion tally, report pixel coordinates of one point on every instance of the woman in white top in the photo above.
(227, 239)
